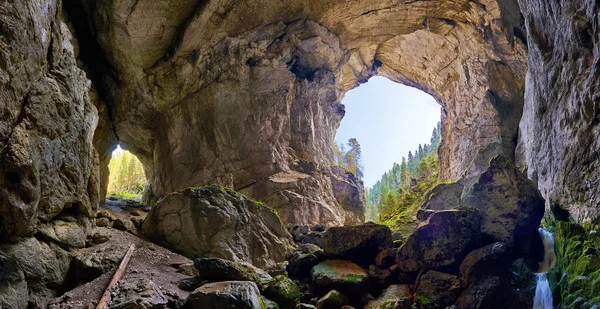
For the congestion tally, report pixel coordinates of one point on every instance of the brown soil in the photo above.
(149, 261)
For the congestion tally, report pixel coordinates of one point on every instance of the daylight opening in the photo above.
(389, 138)
(126, 176)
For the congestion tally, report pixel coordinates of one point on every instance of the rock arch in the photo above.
(247, 94)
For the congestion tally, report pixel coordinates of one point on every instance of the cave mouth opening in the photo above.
(389, 138)
(126, 176)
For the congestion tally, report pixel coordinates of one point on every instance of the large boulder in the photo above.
(437, 290)
(442, 242)
(360, 242)
(214, 269)
(303, 260)
(214, 222)
(283, 291)
(510, 204)
(227, 294)
(341, 275)
(488, 293)
(444, 196)
(490, 260)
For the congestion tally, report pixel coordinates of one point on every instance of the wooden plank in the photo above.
(116, 277)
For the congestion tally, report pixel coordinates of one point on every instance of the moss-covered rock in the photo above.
(576, 279)
(360, 243)
(333, 300)
(214, 269)
(437, 290)
(284, 292)
(341, 275)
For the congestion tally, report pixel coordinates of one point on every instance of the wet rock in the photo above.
(360, 242)
(394, 297)
(306, 306)
(228, 294)
(341, 275)
(442, 242)
(283, 291)
(493, 259)
(437, 290)
(225, 224)
(333, 300)
(488, 293)
(138, 294)
(214, 269)
(510, 204)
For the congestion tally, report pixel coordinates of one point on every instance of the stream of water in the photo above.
(543, 294)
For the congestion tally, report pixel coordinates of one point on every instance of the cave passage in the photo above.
(126, 176)
(388, 120)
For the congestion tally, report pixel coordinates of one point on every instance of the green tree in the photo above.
(353, 158)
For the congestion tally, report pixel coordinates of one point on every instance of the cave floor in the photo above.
(149, 261)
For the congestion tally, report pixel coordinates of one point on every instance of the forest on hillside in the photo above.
(127, 178)
(395, 199)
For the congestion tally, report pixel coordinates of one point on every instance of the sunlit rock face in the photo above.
(559, 132)
(246, 93)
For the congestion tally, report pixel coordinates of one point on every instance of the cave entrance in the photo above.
(126, 178)
(389, 137)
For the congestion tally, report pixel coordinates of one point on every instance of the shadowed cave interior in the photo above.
(232, 107)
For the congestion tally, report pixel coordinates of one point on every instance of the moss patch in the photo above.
(576, 279)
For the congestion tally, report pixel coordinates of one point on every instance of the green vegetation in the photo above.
(351, 159)
(423, 300)
(576, 278)
(396, 198)
(127, 178)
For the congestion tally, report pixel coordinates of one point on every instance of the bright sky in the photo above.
(388, 120)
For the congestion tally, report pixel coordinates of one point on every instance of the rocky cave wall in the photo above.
(48, 166)
(559, 132)
(246, 94)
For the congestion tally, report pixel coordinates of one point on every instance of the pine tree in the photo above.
(353, 158)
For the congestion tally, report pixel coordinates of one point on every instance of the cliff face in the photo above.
(48, 168)
(559, 132)
(247, 94)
